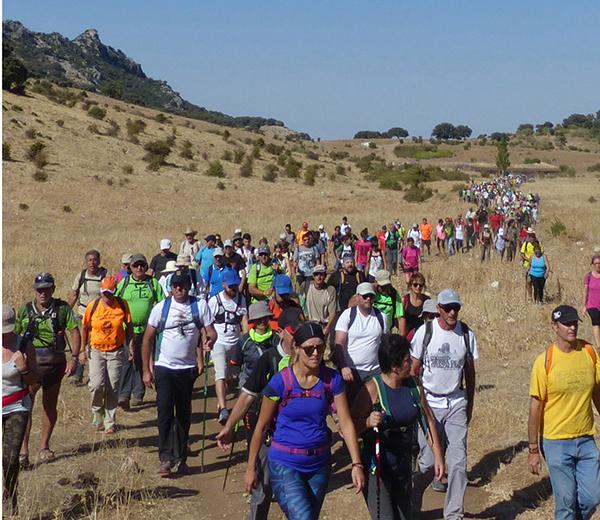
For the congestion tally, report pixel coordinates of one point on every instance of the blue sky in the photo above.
(331, 67)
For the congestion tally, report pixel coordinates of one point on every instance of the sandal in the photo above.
(24, 461)
(110, 431)
(46, 455)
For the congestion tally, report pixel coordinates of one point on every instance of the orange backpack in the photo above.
(550, 355)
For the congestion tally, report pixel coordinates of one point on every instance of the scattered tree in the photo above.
(502, 156)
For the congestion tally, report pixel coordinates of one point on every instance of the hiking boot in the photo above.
(76, 380)
(183, 469)
(124, 404)
(439, 486)
(164, 469)
(98, 421)
(223, 416)
(137, 401)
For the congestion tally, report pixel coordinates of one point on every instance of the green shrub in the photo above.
(292, 168)
(127, 169)
(226, 135)
(134, 128)
(313, 156)
(420, 152)
(340, 170)
(67, 209)
(186, 150)
(274, 149)
(338, 156)
(557, 228)
(271, 172)
(227, 156)
(161, 118)
(531, 160)
(37, 154)
(238, 155)
(372, 144)
(97, 112)
(256, 152)
(417, 194)
(247, 167)
(215, 169)
(156, 153)
(594, 168)
(310, 174)
(23, 206)
(592, 199)
(6, 152)
(467, 146)
(113, 129)
(567, 171)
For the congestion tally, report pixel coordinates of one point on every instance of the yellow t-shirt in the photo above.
(566, 392)
(527, 252)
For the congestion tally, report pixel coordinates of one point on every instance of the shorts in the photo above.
(426, 242)
(410, 270)
(50, 373)
(221, 356)
(594, 316)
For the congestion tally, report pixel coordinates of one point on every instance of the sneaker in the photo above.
(77, 381)
(183, 469)
(439, 486)
(164, 469)
(223, 415)
(137, 401)
(98, 421)
(124, 404)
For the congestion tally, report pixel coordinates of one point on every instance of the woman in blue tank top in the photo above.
(538, 272)
(387, 410)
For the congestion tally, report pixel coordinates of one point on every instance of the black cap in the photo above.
(210, 238)
(181, 276)
(565, 314)
(308, 330)
(43, 281)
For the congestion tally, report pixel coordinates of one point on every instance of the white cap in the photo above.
(321, 226)
(238, 231)
(365, 288)
(218, 252)
(165, 243)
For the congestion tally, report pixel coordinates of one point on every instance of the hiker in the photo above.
(411, 256)
(345, 281)
(415, 234)
(190, 245)
(324, 239)
(539, 270)
(299, 458)
(357, 334)
(443, 350)
(565, 381)
(125, 268)
(283, 259)
(591, 297)
(376, 260)
(321, 301)
(290, 237)
(261, 276)
(363, 250)
(85, 289)
(344, 226)
(283, 297)
(215, 272)
(19, 374)
(449, 231)
(301, 233)
(426, 231)
(393, 403)
(176, 324)
(306, 256)
(459, 234)
(164, 280)
(485, 240)
(388, 300)
(440, 236)
(470, 230)
(229, 312)
(107, 325)
(391, 247)
(527, 250)
(412, 306)
(248, 407)
(197, 287)
(159, 261)
(204, 256)
(235, 261)
(500, 243)
(141, 291)
(46, 321)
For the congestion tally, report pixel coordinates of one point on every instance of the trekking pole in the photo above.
(204, 414)
(377, 408)
(235, 429)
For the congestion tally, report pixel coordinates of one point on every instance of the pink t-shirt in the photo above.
(362, 251)
(439, 231)
(410, 256)
(593, 299)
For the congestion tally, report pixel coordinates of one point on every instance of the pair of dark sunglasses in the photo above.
(309, 351)
(450, 307)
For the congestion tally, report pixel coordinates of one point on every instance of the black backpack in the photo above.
(58, 329)
(102, 272)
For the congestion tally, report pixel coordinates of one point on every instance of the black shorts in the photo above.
(51, 374)
(594, 316)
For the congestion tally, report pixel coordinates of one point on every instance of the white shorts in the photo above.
(221, 355)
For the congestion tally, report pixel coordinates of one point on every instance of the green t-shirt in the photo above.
(385, 304)
(43, 335)
(140, 298)
(392, 239)
(263, 279)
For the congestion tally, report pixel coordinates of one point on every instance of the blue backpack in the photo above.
(165, 313)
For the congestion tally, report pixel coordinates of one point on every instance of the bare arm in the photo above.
(534, 460)
(415, 366)
(349, 433)
(241, 407)
(72, 298)
(268, 410)
(596, 398)
(362, 405)
(402, 326)
(147, 348)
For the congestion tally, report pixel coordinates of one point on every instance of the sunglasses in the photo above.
(139, 266)
(309, 351)
(318, 274)
(367, 296)
(450, 307)
(416, 284)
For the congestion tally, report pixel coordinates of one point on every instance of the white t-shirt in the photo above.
(228, 333)
(177, 346)
(442, 366)
(415, 234)
(363, 340)
(344, 228)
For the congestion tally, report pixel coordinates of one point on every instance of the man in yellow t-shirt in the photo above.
(565, 381)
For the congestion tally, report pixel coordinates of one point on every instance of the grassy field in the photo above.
(99, 194)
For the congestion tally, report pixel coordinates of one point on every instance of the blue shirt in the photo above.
(537, 266)
(204, 257)
(302, 422)
(215, 278)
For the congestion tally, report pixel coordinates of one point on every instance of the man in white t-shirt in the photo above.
(357, 335)
(177, 321)
(443, 350)
(229, 312)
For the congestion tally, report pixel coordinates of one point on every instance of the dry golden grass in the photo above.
(136, 210)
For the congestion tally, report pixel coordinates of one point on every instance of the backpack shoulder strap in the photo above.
(591, 352)
(94, 307)
(548, 358)
(466, 339)
(352, 316)
(381, 393)
(81, 280)
(121, 303)
(379, 317)
(327, 378)
(126, 281)
(164, 314)
(150, 281)
(427, 337)
(195, 313)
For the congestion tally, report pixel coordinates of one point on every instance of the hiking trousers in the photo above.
(131, 375)
(13, 431)
(261, 495)
(105, 376)
(451, 424)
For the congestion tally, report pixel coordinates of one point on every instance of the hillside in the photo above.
(90, 186)
(87, 63)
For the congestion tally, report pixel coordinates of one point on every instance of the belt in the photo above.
(15, 396)
(310, 452)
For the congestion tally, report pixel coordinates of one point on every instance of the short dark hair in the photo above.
(246, 236)
(93, 252)
(392, 352)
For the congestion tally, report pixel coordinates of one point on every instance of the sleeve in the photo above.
(237, 358)
(274, 389)
(243, 305)
(212, 305)
(332, 303)
(259, 377)
(399, 306)
(198, 256)
(86, 316)
(538, 386)
(337, 384)
(155, 313)
(153, 263)
(21, 321)
(75, 285)
(473, 341)
(343, 321)
(416, 345)
(206, 316)
(252, 275)
(160, 295)
(71, 321)
(127, 313)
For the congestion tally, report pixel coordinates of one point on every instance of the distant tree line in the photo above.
(449, 131)
(395, 131)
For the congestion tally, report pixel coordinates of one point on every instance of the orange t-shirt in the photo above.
(300, 235)
(426, 231)
(106, 327)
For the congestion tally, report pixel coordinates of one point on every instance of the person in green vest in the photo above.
(388, 300)
(261, 276)
(141, 292)
(392, 239)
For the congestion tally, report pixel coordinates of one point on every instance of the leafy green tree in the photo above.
(368, 134)
(443, 131)
(502, 156)
(397, 131)
(462, 132)
(112, 89)
(525, 129)
(14, 73)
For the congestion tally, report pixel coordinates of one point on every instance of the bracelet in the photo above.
(533, 444)
(28, 371)
(358, 465)
(533, 451)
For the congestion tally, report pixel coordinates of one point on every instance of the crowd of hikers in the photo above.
(307, 327)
